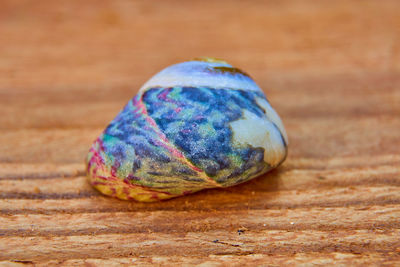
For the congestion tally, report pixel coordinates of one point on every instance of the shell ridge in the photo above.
(171, 147)
(197, 73)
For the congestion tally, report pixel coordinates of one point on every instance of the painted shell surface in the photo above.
(194, 125)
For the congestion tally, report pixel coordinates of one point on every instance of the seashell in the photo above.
(194, 125)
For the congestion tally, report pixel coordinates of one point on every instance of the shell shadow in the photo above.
(251, 194)
(254, 194)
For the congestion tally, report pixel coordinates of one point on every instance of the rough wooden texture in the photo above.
(330, 68)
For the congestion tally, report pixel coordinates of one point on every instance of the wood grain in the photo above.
(330, 68)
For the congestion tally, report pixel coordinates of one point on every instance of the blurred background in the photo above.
(68, 67)
(331, 69)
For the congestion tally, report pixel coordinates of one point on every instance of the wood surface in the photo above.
(330, 68)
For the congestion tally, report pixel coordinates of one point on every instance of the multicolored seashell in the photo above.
(194, 125)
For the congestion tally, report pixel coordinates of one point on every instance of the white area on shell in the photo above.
(259, 132)
(273, 116)
(199, 74)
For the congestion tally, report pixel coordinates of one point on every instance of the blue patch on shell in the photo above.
(196, 120)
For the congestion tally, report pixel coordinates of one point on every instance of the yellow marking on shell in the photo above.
(230, 70)
(210, 60)
(133, 192)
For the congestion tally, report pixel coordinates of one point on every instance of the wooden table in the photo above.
(330, 68)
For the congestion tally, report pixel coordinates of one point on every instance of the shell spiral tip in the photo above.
(210, 60)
